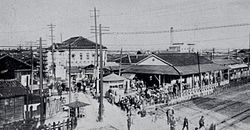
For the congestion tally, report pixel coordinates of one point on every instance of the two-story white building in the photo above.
(83, 53)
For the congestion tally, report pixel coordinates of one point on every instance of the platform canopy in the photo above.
(113, 78)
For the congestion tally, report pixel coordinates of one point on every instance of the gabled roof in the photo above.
(78, 42)
(11, 88)
(131, 59)
(176, 64)
(244, 51)
(179, 59)
(183, 59)
(9, 65)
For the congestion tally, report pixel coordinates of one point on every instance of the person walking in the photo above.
(172, 123)
(155, 115)
(201, 122)
(185, 124)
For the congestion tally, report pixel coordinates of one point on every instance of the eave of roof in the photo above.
(152, 69)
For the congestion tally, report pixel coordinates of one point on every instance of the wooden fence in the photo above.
(31, 124)
(68, 124)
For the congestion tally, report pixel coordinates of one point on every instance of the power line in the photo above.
(197, 41)
(20, 31)
(180, 30)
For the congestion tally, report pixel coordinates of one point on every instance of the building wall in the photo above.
(11, 109)
(79, 57)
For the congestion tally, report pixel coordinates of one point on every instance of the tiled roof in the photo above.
(77, 43)
(10, 88)
(183, 59)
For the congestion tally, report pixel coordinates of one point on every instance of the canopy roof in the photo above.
(77, 104)
(151, 69)
(171, 70)
(113, 78)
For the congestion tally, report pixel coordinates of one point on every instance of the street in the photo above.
(229, 110)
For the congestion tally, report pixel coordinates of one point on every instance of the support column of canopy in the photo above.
(181, 89)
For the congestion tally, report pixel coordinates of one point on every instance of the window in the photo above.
(80, 56)
(87, 55)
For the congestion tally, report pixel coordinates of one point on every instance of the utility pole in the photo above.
(61, 37)
(32, 69)
(41, 83)
(249, 53)
(96, 50)
(69, 73)
(51, 26)
(171, 36)
(199, 69)
(120, 64)
(101, 107)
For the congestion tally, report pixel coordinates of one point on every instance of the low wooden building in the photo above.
(12, 95)
(182, 74)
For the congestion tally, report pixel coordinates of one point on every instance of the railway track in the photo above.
(233, 120)
(218, 107)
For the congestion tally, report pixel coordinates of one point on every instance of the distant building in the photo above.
(181, 47)
(82, 55)
(12, 68)
(12, 98)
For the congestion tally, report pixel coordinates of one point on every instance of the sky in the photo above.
(22, 21)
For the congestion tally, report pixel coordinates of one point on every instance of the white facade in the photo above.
(182, 48)
(79, 57)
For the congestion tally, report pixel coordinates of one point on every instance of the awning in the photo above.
(113, 77)
(151, 69)
(194, 69)
(170, 70)
(236, 66)
(77, 104)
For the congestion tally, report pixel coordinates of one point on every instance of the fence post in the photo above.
(72, 123)
(67, 124)
(59, 125)
(54, 126)
(63, 125)
(75, 122)
(49, 126)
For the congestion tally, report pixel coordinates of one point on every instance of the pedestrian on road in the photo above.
(201, 122)
(155, 115)
(185, 124)
(172, 123)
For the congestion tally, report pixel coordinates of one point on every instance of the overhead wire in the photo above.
(180, 30)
